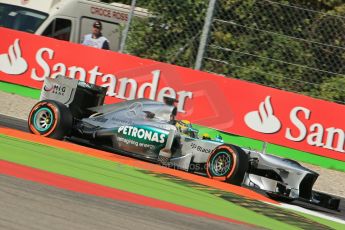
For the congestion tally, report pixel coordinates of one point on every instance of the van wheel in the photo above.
(50, 119)
(227, 163)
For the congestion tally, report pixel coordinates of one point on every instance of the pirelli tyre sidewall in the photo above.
(227, 163)
(50, 119)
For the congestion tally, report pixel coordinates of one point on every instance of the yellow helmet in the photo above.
(183, 125)
(187, 123)
(206, 136)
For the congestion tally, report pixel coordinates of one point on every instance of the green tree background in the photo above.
(253, 40)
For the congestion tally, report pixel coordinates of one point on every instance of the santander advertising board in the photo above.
(263, 120)
(227, 104)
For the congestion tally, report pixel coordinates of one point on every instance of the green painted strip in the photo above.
(237, 140)
(20, 90)
(126, 178)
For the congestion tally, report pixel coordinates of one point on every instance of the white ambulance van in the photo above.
(67, 20)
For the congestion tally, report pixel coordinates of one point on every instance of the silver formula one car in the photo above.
(148, 129)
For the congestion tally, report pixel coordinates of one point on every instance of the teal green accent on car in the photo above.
(50, 120)
(213, 164)
(143, 136)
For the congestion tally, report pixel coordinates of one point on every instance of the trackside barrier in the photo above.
(227, 104)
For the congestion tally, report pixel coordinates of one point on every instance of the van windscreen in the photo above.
(20, 18)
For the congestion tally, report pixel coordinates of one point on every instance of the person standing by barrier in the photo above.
(96, 38)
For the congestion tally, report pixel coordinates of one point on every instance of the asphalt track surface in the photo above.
(29, 205)
(19, 124)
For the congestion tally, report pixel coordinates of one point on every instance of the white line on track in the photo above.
(310, 212)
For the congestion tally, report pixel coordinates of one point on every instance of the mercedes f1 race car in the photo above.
(75, 110)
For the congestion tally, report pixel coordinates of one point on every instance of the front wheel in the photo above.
(50, 119)
(227, 163)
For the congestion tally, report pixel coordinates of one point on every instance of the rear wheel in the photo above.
(50, 119)
(227, 163)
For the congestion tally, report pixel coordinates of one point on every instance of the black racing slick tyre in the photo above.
(50, 119)
(227, 163)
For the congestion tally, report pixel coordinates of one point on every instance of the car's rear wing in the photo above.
(75, 94)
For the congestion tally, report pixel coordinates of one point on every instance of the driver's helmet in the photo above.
(206, 136)
(183, 126)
